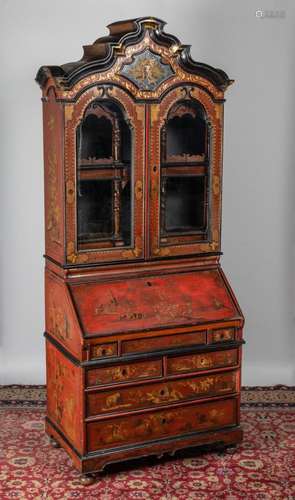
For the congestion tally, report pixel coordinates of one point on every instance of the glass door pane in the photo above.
(184, 199)
(104, 218)
(184, 169)
(184, 174)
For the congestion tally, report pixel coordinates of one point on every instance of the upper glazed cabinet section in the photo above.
(133, 149)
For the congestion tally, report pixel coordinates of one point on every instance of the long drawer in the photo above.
(124, 372)
(157, 393)
(202, 361)
(163, 342)
(161, 424)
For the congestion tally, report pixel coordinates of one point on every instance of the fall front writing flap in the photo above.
(153, 302)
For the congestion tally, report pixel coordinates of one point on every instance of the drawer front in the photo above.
(103, 350)
(162, 423)
(223, 335)
(204, 361)
(124, 372)
(155, 394)
(163, 342)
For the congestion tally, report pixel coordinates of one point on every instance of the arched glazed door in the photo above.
(105, 177)
(184, 163)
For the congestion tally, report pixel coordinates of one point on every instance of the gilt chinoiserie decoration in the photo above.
(143, 332)
(147, 70)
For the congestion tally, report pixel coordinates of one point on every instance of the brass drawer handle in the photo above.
(101, 351)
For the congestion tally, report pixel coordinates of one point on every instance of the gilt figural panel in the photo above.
(147, 70)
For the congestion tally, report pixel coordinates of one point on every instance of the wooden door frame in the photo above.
(158, 114)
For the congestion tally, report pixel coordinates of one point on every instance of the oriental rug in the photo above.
(261, 468)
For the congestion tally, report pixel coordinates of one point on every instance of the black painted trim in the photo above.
(62, 349)
(135, 261)
(70, 73)
(62, 435)
(97, 454)
(108, 83)
(144, 356)
(111, 451)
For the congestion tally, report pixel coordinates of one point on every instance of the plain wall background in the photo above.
(259, 170)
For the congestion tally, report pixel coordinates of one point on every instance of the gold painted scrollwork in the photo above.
(160, 251)
(70, 192)
(218, 111)
(51, 122)
(59, 322)
(73, 257)
(69, 110)
(155, 110)
(134, 252)
(138, 190)
(216, 185)
(54, 212)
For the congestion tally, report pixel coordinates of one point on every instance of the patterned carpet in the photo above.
(262, 468)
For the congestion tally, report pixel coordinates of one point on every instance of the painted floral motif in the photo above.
(59, 323)
(54, 214)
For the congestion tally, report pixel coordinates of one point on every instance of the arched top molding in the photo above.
(105, 51)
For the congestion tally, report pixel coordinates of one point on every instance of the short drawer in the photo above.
(204, 361)
(157, 393)
(222, 335)
(124, 372)
(103, 350)
(161, 424)
(163, 342)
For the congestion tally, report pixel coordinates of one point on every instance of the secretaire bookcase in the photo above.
(143, 331)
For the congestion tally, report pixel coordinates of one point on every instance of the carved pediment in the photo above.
(146, 75)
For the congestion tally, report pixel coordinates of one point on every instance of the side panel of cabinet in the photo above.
(61, 321)
(107, 249)
(181, 173)
(65, 396)
(53, 177)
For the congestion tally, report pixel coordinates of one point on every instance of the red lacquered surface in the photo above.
(152, 302)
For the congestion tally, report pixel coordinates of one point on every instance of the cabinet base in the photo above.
(96, 461)
(87, 479)
(54, 443)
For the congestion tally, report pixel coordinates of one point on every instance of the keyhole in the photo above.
(155, 169)
(148, 283)
(163, 420)
(103, 352)
(162, 392)
(124, 372)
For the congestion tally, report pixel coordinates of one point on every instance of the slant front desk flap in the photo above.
(153, 302)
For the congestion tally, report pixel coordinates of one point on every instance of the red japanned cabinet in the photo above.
(143, 332)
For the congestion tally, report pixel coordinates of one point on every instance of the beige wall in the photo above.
(259, 168)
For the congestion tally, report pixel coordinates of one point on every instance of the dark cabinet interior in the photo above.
(185, 133)
(184, 171)
(184, 204)
(104, 180)
(103, 177)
